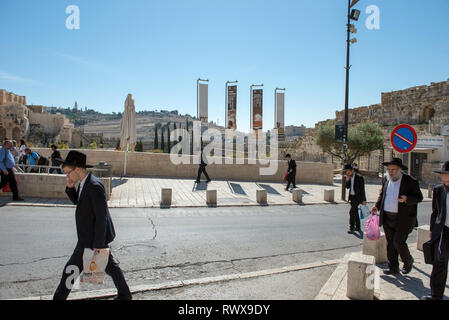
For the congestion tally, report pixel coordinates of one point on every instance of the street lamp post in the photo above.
(352, 15)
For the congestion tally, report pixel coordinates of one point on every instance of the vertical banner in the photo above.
(280, 116)
(203, 102)
(257, 109)
(232, 108)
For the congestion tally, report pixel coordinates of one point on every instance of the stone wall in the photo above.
(160, 165)
(9, 97)
(41, 185)
(416, 105)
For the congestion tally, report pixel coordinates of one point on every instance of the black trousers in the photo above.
(11, 179)
(112, 269)
(397, 240)
(438, 276)
(291, 177)
(202, 169)
(354, 219)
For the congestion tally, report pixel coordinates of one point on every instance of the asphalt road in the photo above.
(160, 245)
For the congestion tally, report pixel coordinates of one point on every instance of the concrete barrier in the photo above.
(211, 197)
(329, 195)
(376, 248)
(166, 196)
(161, 165)
(360, 267)
(430, 191)
(261, 196)
(45, 185)
(297, 195)
(423, 236)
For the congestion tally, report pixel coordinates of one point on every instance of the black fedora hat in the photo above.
(444, 168)
(396, 161)
(75, 159)
(348, 167)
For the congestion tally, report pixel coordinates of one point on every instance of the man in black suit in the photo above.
(202, 169)
(93, 224)
(291, 177)
(356, 184)
(398, 206)
(439, 234)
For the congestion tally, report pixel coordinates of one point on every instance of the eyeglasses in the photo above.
(67, 173)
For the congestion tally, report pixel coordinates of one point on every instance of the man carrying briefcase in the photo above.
(439, 234)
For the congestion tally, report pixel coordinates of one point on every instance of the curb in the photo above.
(109, 293)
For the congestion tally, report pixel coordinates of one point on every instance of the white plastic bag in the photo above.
(94, 265)
(364, 211)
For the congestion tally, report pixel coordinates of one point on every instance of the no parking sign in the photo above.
(403, 138)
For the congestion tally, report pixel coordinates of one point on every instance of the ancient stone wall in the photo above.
(9, 97)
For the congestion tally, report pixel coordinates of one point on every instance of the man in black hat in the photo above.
(398, 206)
(93, 224)
(439, 234)
(291, 176)
(55, 155)
(356, 184)
(202, 169)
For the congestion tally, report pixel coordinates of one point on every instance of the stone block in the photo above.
(360, 267)
(211, 197)
(376, 248)
(423, 236)
(297, 195)
(430, 191)
(166, 196)
(261, 196)
(329, 195)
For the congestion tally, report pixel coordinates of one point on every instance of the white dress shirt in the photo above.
(82, 185)
(352, 185)
(447, 210)
(391, 197)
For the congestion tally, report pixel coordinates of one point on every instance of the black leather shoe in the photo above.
(350, 231)
(407, 267)
(391, 271)
(123, 298)
(357, 229)
(430, 298)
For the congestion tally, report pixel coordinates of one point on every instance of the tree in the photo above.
(139, 146)
(162, 139)
(363, 138)
(168, 136)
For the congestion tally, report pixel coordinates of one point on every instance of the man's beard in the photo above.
(395, 178)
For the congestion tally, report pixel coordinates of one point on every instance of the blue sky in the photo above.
(156, 50)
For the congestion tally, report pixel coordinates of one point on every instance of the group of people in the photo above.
(397, 206)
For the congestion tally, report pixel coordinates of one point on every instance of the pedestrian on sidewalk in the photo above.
(94, 225)
(291, 176)
(398, 208)
(439, 234)
(356, 184)
(202, 169)
(7, 164)
(55, 155)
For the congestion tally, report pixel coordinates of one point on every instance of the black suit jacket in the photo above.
(408, 211)
(359, 188)
(438, 217)
(93, 220)
(292, 166)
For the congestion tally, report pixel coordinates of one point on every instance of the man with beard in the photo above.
(439, 234)
(398, 206)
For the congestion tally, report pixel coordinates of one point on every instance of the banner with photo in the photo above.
(232, 108)
(257, 109)
(203, 102)
(280, 115)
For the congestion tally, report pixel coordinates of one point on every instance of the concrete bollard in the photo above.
(329, 195)
(297, 195)
(261, 196)
(166, 195)
(423, 236)
(360, 268)
(376, 248)
(211, 197)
